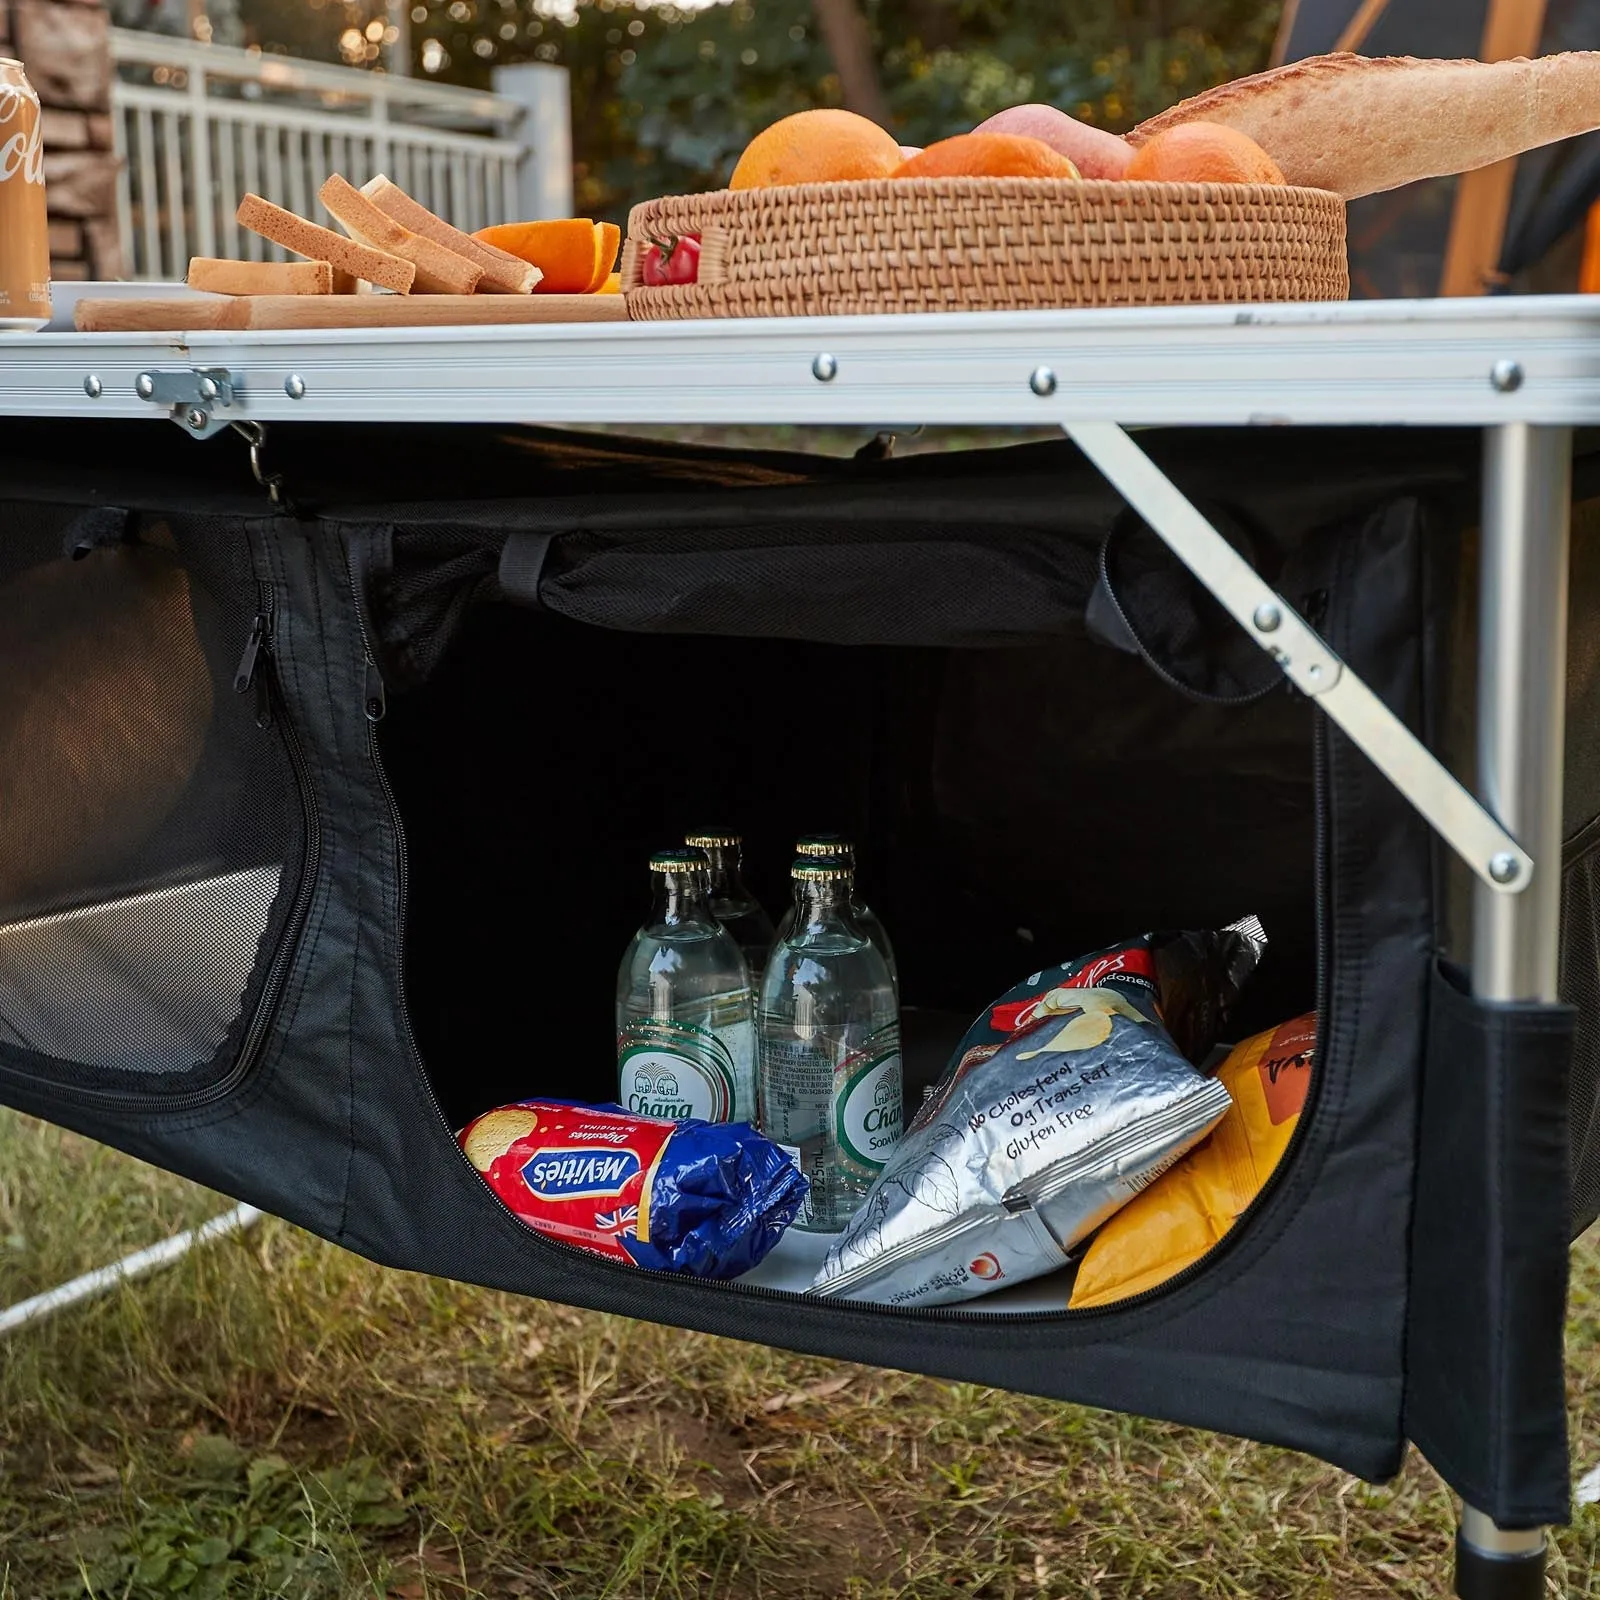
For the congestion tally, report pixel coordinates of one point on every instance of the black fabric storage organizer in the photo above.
(328, 827)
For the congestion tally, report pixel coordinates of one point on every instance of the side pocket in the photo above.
(1485, 1382)
(1580, 986)
(1147, 603)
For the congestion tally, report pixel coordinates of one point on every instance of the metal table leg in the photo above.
(1527, 484)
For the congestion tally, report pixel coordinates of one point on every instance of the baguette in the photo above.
(260, 277)
(503, 273)
(439, 269)
(1359, 126)
(323, 244)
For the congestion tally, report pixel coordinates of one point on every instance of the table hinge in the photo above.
(193, 396)
(1306, 659)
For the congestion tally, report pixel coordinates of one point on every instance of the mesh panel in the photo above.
(155, 979)
(1580, 987)
(435, 578)
(151, 826)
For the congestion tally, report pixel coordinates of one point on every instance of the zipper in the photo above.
(374, 705)
(1320, 761)
(1315, 611)
(258, 640)
(258, 644)
(246, 673)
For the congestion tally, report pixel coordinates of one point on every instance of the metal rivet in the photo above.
(824, 368)
(1314, 672)
(1043, 382)
(1506, 376)
(145, 385)
(196, 418)
(208, 388)
(1268, 618)
(295, 386)
(93, 387)
(1504, 868)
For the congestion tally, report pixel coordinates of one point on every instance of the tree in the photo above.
(844, 31)
(665, 99)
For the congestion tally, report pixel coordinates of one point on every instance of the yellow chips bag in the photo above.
(1187, 1210)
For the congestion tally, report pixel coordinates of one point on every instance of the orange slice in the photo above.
(607, 241)
(567, 251)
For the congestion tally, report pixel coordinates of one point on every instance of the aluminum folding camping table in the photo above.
(1522, 373)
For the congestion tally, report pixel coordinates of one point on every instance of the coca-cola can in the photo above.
(24, 231)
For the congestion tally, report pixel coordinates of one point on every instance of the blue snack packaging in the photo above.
(708, 1199)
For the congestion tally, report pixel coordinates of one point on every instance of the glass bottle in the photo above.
(829, 1047)
(685, 1030)
(732, 903)
(820, 846)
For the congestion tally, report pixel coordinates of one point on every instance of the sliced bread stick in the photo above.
(503, 273)
(439, 269)
(1359, 126)
(260, 277)
(323, 244)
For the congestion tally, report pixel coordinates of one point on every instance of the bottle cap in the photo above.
(825, 844)
(713, 841)
(821, 869)
(687, 860)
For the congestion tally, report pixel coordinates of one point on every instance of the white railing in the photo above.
(197, 126)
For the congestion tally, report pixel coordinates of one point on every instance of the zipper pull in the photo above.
(376, 701)
(246, 674)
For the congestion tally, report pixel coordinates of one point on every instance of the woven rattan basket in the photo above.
(989, 244)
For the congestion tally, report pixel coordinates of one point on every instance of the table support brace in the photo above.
(1466, 826)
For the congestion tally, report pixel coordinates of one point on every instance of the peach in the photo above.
(1093, 151)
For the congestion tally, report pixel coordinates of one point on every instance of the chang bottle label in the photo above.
(676, 1070)
(869, 1107)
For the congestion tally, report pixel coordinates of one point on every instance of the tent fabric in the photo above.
(464, 864)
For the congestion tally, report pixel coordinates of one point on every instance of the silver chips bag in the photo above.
(1065, 1100)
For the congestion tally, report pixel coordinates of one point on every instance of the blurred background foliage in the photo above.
(664, 97)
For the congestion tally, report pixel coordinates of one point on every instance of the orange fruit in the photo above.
(816, 147)
(1203, 152)
(573, 253)
(608, 240)
(987, 155)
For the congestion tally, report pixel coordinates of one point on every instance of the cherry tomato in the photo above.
(675, 262)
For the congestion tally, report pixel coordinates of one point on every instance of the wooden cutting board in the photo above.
(194, 314)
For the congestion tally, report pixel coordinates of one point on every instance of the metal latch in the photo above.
(1306, 659)
(193, 396)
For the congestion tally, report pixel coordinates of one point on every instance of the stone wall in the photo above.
(66, 49)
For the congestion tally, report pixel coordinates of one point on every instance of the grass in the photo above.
(273, 1417)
